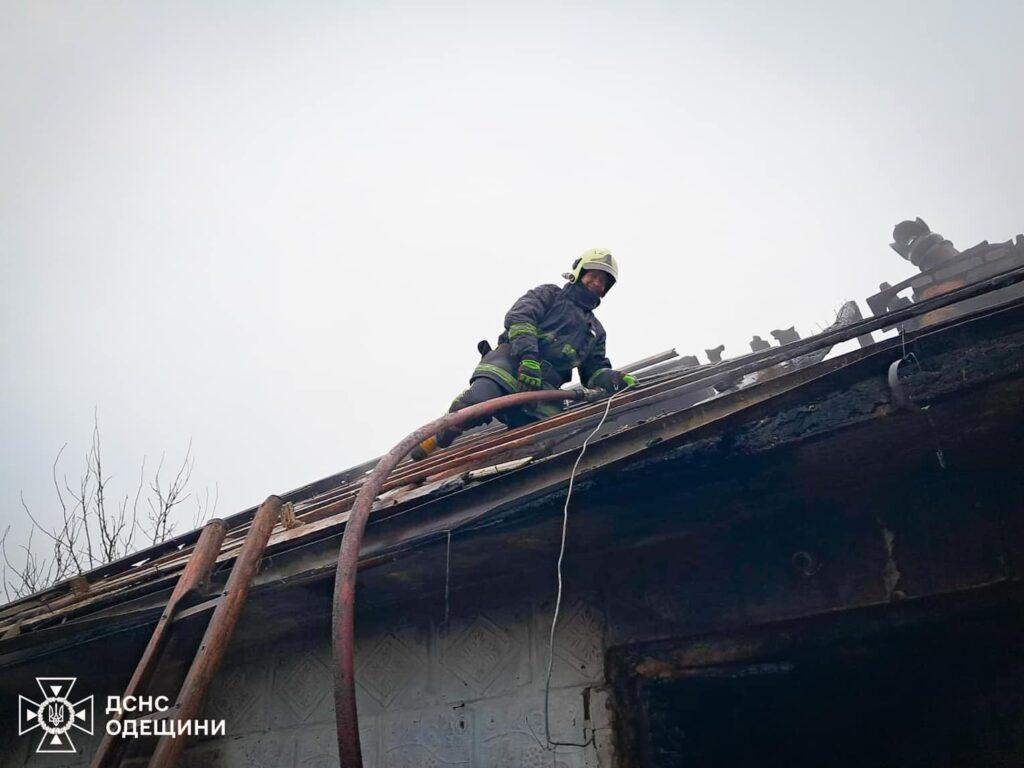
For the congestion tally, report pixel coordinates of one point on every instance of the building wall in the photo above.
(466, 693)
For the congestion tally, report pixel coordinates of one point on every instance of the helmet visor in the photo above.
(599, 266)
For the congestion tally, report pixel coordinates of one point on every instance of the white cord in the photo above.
(558, 598)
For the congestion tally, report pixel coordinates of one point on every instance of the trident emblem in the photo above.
(55, 714)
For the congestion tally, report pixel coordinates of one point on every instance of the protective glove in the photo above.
(612, 381)
(529, 374)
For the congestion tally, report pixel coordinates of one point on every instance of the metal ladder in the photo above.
(189, 701)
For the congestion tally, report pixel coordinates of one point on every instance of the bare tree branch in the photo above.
(90, 532)
(204, 510)
(167, 498)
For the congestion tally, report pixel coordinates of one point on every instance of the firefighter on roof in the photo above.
(548, 332)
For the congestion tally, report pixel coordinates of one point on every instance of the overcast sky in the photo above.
(278, 229)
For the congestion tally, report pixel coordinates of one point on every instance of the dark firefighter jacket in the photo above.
(554, 326)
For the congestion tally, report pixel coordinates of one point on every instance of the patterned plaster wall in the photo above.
(466, 693)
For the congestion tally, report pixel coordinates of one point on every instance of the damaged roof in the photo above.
(501, 467)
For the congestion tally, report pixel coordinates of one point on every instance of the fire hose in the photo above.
(343, 619)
